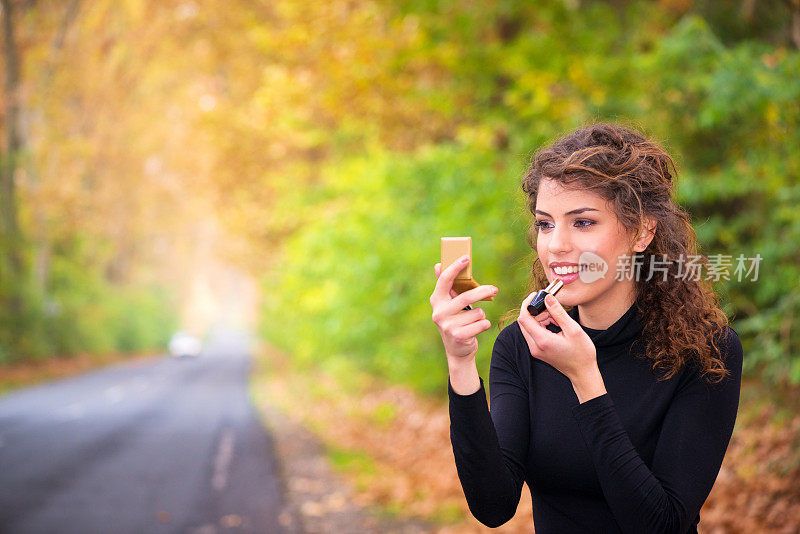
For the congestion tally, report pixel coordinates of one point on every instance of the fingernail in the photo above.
(465, 259)
(550, 299)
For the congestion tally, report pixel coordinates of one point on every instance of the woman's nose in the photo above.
(559, 241)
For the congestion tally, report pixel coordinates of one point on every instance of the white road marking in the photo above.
(223, 460)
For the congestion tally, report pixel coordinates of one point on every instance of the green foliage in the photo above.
(733, 114)
(355, 282)
(80, 311)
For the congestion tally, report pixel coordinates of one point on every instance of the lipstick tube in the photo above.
(537, 305)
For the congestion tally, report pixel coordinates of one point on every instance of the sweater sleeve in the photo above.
(490, 449)
(694, 438)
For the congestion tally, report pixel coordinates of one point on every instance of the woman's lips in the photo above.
(566, 278)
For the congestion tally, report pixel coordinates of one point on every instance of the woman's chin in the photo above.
(569, 294)
(569, 300)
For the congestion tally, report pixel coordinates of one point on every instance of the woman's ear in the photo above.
(646, 234)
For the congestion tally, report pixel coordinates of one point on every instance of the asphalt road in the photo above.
(158, 445)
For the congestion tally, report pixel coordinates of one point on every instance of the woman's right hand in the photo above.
(457, 327)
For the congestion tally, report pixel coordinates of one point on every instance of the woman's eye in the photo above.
(580, 223)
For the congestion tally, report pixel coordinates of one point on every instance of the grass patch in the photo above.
(383, 415)
(356, 465)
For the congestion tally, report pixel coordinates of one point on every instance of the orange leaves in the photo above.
(406, 461)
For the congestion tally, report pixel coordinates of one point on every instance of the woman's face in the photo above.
(578, 235)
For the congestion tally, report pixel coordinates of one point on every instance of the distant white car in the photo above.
(184, 344)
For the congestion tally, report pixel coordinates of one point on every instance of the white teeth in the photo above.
(566, 270)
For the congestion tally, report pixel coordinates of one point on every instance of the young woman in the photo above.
(618, 412)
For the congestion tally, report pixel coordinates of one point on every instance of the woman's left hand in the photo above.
(571, 351)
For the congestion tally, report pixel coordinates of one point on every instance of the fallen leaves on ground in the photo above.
(411, 471)
(758, 487)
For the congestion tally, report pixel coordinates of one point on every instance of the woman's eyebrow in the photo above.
(573, 212)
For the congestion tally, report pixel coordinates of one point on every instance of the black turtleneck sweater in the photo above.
(641, 458)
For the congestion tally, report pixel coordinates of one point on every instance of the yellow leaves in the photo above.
(543, 93)
(262, 36)
(207, 102)
(136, 9)
(319, 295)
(533, 93)
(480, 136)
(597, 96)
(579, 76)
(409, 28)
(771, 114)
(296, 35)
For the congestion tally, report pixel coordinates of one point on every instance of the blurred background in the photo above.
(285, 169)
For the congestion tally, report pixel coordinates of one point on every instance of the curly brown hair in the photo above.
(680, 315)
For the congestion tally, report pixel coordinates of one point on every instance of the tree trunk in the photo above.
(8, 206)
(10, 239)
(793, 7)
(39, 235)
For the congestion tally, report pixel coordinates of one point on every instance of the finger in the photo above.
(473, 295)
(466, 317)
(545, 322)
(527, 320)
(534, 348)
(445, 281)
(536, 331)
(559, 314)
(543, 317)
(472, 329)
(528, 299)
(437, 270)
(524, 316)
(524, 308)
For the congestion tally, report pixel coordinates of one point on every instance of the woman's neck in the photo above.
(606, 310)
